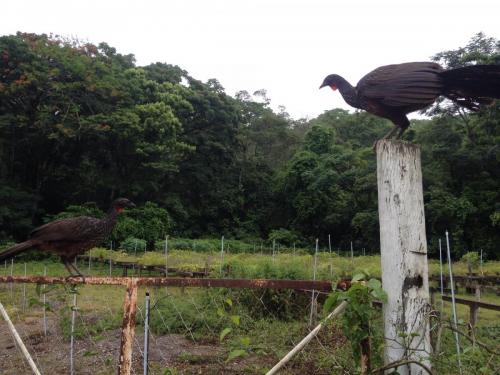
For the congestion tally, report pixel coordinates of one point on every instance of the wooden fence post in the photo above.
(403, 248)
(128, 328)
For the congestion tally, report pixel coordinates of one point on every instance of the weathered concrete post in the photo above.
(403, 249)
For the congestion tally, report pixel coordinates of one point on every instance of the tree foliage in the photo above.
(82, 123)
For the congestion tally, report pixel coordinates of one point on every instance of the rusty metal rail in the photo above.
(324, 286)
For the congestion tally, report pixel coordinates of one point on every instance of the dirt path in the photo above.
(98, 355)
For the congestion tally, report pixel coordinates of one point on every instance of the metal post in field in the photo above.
(24, 290)
(481, 263)
(72, 342)
(274, 244)
(403, 247)
(330, 250)
(166, 257)
(352, 255)
(146, 335)
(453, 304)
(221, 254)
(441, 274)
(11, 274)
(90, 260)
(44, 298)
(313, 303)
(135, 257)
(441, 282)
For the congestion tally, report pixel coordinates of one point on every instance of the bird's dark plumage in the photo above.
(393, 91)
(71, 237)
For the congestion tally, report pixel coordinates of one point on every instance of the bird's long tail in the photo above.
(16, 249)
(472, 86)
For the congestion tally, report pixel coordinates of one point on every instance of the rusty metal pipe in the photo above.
(307, 285)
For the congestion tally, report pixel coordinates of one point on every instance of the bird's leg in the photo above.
(403, 124)
(387, 136)
(71, 267)
(390, 134)
(400, 132)
(76, 269)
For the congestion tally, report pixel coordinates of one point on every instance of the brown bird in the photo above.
(393, 91)
(71, 237)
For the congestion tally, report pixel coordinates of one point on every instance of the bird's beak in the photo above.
(131, 205)
(323, 85)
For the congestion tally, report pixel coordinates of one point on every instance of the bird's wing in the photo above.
(72, 229)
(402, 84)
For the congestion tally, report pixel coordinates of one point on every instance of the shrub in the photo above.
(132, 244)
(284, 236)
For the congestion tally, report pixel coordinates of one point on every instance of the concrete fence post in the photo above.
(403, 248)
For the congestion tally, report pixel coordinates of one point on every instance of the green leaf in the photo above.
(245, 341)
(358, 277)
(374, 284)
(330, 302)
(224, 333)
(221, 312)
(235, 354)
(229, 302)
(235, 319)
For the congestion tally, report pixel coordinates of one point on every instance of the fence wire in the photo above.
(192, 330)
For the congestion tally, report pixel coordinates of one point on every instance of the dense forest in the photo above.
(81, 125)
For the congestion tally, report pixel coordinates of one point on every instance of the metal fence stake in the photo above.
(72, 342)
(146, 335)
(313, 304)
(453, 304)
(44, 298)
(24, 290)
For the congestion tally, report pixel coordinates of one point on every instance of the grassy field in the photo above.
(186, 324)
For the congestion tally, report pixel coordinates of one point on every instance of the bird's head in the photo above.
(332, 80)
(121, 203)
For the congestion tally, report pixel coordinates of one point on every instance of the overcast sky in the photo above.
(284, 46)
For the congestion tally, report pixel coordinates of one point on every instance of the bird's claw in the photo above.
(70, 277)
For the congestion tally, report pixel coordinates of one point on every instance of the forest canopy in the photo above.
(82, 124)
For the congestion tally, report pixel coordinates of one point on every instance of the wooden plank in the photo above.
(468, 302)
(128, 328)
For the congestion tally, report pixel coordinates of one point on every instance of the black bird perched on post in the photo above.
(393, 91)
(71, 237)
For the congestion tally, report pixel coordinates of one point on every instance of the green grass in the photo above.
(281, 265)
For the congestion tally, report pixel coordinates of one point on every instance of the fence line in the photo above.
(304, 285)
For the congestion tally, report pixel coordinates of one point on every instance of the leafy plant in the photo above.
(357, 319)
(472, 260)
(240, 347)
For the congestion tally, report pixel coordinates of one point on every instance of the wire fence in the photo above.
(76, 329)
(207, 326)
